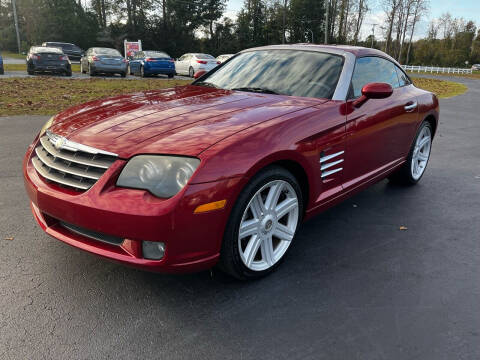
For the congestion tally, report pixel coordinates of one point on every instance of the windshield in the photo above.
(157, 54)
(107, 51)
(285, 72)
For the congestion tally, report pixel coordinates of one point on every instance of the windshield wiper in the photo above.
(257, 90)
(206, 83)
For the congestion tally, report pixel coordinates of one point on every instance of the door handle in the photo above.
(412, 105)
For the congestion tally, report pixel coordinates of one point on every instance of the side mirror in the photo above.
(199, 73)
(374, 91)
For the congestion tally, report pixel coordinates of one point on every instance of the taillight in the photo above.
(64, 57)
(94, 58)
(149, 59)
(172, 60)
(219, 62)
(124, 60)
(35, 57)
(201, 61)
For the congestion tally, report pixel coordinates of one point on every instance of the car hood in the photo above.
(184, 120)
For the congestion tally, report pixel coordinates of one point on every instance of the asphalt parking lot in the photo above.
(354, 286)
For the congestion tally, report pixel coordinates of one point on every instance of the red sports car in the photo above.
(224, 170)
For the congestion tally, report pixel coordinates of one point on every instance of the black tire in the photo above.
(2, 71)
(230, 260)
(191, 72)
(123, 74)
(30, 72)
(404, 176)
(142, 72)
(129, 70)
(170, 76)
(68, 73)
(91, 72)
(82, 70)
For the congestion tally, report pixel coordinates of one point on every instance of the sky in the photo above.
(468, 9)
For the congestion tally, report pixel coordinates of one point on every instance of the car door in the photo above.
(376, 129)
(184, 63)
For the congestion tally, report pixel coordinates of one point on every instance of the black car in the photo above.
(48, 59)
(72, 51)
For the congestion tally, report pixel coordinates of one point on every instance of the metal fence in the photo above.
(436, 69)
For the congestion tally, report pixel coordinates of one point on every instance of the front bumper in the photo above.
(192, 241)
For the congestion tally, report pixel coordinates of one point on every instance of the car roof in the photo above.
(358, 51)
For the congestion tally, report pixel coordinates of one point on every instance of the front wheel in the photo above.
(170, 76)
(91, 72)
(262, 225)
(142, 72)
(412, 171)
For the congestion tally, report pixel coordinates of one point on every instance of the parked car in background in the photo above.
(223, 58)
(48, 59)
(149, 62)
(2, 71)
(476, 67)
(189, 64)
(72, 51)
(103, 60)
(224, 170)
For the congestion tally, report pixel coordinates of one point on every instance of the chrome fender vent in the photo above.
(330, 164)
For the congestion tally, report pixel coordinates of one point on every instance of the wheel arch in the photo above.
(292, 162)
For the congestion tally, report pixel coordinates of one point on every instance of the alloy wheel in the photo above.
(421, 152)
(268, 225)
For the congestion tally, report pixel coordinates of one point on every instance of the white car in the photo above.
(189, 64)
(224, 57)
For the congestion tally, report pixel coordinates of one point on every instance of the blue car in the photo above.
(145, 63)
(1, 65)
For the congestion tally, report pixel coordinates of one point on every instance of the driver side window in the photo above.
(373, 69)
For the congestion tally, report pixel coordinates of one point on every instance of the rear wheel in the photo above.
(68, 73)
(142, 72)
(91, 72)
(262, 224)
(123, 74)
(412, 171)
(2, 71)
(170, 76)
(191, 72)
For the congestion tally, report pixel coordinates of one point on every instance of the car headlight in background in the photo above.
(46, 126)
(163, 176)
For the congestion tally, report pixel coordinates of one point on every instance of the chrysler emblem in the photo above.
(59, 143)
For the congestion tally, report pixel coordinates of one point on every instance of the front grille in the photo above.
(109, 239)
(70, 164)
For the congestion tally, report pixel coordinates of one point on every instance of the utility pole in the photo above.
(373, 33)
(15, 19)
(326, 20)
(284, 20)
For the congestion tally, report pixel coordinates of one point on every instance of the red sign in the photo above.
(131, 47)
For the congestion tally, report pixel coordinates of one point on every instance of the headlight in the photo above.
(163, 176)
(46, 126)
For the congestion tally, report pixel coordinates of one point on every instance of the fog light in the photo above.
(153, 250)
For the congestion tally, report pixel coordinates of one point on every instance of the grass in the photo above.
(473, 75)
(442, 88)
(50, 95)
(9, 54)
(23, 67)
